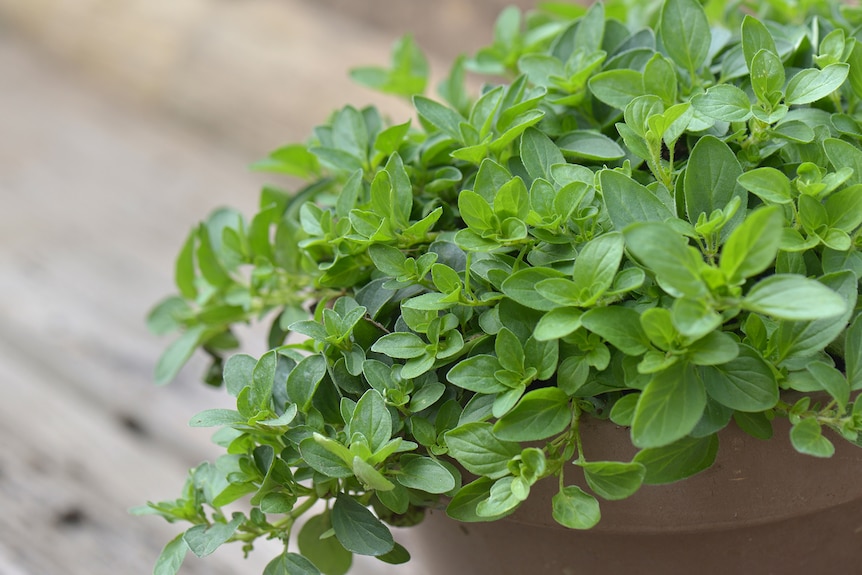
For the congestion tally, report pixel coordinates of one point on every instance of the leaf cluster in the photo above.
(649, 214)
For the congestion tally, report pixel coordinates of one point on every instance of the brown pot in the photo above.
(761, 509)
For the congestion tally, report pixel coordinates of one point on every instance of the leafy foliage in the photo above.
(655, 217)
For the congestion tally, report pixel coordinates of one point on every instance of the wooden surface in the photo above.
(109, 153)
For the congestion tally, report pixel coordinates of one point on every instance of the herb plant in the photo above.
(650, 214)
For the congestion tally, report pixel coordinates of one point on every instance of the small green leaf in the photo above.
(724, 102)
(178, 353)
(746, 383)
(401, 345)
(613, 480)
(832, 381)
(628, 202)
(476, 447)
(668, 254)
(678, 460)
(669, 407)
(575, 509)
(558, 323)
(477, 374)
(540, 414)
(711, 181)
(426, 474)
(853, 354)
(807, 438)
(685, 33)
(184, 268)
(617, 88)
(290, 564)
(325, 552)
(786, 296)
(204, 539)
(588, 145)
(520, 286)
(303, 381)
(752, 247)
(811, 84)
(216, 418)
(618, 325)
(755, 37)
(768, 184)
(464, 505)
(315, 453)
(357, 529)
(172, 556)
(372, 420)
(539, 153)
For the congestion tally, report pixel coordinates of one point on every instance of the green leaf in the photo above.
(572, 507)
(811, 85)
(315, 453)
(558, 323)
(668, 254)
(539, 414)
(710, 181)
(685, 33)
(426, 474)
(407, 76)
(401, 345)
(597, 265)
(844, 208)
(477, 374)
(613, 480)
(678, 460)
(216, 418)
(290, 564)
(755, 37)
(752, 247)
(805, 338)
(464, 504)
(617, 88)
(767, 77)
(441, 117)
(479, 450)
(178, 353)
(787, 296)
(263, 380)
(372, 420)
(588, 145)
(724, 102)
(204, 539)
(389, 140)
(325, 552)
(172, 556)
(714, 348)
(853, 354)
(303, 381)
(746, 383)
(520, 286)
(237, 372)
(510, 352)
(807, 438)
(669, 407)
(398, 556)
(629, 202)
(845, 155)
(768, 184)
(831, 380)
(357, 529)
(184, 268)
(618, 325)
(539, 153)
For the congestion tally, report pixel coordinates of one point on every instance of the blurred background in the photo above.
(122, 124)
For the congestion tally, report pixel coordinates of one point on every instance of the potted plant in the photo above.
(639, 241)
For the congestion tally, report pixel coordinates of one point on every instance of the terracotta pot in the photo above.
(761, 509)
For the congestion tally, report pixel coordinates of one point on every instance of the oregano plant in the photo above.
(649, 214)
